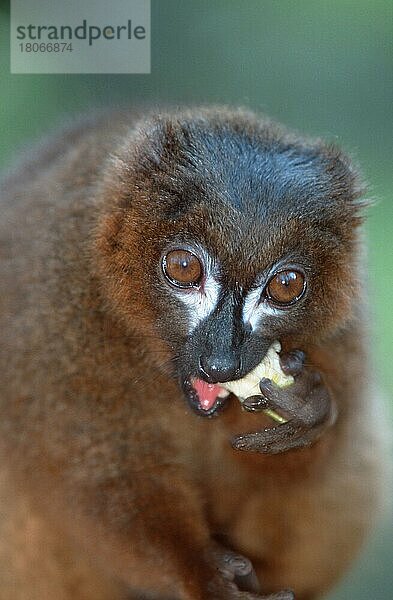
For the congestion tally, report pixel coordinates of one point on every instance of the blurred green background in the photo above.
(322, 67)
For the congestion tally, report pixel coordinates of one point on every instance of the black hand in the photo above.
(238, 569)
(306, 404)
(238, 580)
(292, 363)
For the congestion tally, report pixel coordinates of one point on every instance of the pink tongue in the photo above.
(207, 392)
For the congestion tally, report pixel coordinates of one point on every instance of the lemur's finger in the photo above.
(320, 409)
(256, 403)
(292, 362)
(289, 399)
(262, 441)
(238, 569)
(283, 595)
(306, 438)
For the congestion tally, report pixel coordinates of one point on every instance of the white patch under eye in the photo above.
(200, 303)
(254, 309)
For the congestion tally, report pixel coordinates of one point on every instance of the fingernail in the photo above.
(254, 403)
(265, 383)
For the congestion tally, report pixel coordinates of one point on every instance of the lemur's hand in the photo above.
(306, 405)
(236, 578)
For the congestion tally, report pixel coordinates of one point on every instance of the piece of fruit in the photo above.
(269, 368)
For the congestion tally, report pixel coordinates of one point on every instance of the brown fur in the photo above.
(109, 482)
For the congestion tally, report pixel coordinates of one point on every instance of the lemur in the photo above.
(146, 261)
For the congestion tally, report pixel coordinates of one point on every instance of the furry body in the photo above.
(111, 487)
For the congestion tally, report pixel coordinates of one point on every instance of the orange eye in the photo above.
(286, 287)
(182, 268)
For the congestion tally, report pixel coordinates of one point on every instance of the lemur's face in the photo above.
(229, 315)
(229, 236)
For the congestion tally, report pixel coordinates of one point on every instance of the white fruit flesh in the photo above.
(269, 368)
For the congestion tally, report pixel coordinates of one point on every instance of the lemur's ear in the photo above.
(151, 169)
(152, 149)
(158, 142)
(348, 190)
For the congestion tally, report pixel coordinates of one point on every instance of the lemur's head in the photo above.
(221, 233)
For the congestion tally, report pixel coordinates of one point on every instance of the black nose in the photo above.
(219, 367)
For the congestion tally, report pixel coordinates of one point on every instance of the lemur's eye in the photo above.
(182, 268)
(286, 287)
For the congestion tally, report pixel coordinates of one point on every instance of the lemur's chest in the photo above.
(236, 479)
(279, 511)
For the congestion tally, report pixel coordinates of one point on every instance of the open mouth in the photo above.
(205, 398)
